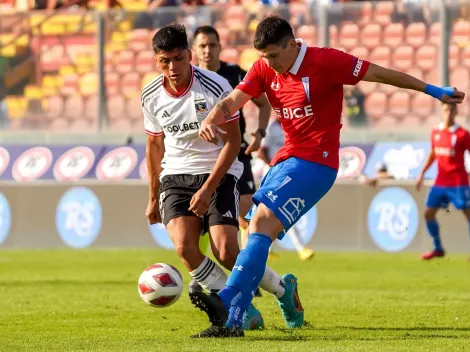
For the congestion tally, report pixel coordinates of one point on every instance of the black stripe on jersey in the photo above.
(146, 89)
(157, 84)
(210, 82)
(209, 88)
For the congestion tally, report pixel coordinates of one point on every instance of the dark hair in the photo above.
(206, 30)
(170, 37)
(272, 30)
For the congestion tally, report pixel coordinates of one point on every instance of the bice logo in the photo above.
(74, 164)
(351, 162)
(32, 164)
(4, 160)
(393, 219)
(294, 113)
(79, 217)
(117, 164)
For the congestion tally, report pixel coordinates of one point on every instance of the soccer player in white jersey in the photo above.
(190, 188)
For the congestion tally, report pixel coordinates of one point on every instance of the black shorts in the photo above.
(176, 192)
(247, 180)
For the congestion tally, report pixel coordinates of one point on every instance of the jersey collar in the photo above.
(451, 129)
(300, 57)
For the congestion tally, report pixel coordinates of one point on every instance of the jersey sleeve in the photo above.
(151, 125)
(467, 141)
(227, 89)
(342, 68)
(252, 83)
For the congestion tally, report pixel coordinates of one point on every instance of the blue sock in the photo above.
(433, 229)
(245, 277)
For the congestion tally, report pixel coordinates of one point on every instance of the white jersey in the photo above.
(178, 118)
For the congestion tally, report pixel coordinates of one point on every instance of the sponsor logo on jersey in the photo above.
(275, 86)
(117, 164)
(444, 151)
(201, 107)
(165, 114)
(79, 217)
(294, 113)
(183, 127)
(393, 219)
(32, 164)
(306, 84)
(351, 162)
(5, 218)
(74, 164)
(357, 69)
(4, 160)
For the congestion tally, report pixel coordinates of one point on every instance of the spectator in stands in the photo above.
(382, 174)
(155, 17)
(355, 99)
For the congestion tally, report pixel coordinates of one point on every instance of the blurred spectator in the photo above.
(355, 106)
(382, 174)
(155, 17)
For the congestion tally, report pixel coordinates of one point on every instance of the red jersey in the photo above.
(308, 99)
(449, 145)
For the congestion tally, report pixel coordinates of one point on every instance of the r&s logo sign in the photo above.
(393, 219)
(79, 217)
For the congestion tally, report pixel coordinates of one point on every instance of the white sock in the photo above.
(210, 276)
(272, 283)
(294, 237)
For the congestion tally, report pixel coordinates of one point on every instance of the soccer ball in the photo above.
(160, 285)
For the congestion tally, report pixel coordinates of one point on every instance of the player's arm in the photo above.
(232, 139)
(264, 108)
(379, 74)
(250, 87)
(427, 164)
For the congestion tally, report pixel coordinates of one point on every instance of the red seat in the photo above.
(465, 56)
(381, 56)
(403, 57)
(333, 36)
(454, 56)
(134, 108)
(140, 40)
(116, 107)
(393, 34)
(371, 35)
(435, 34)
(308, 34)
(130, 85)
(360, 52)
(69, 84)
(376, 104)
(349, 35)
(459, 77)
(461, 32)
(91, 108)
(415, 34)
(426, 57)
(73, 107)
(399, 104)
(422, 105)
(125, 62)
(112, 83)
(383, 12)
(55, 106)
(145, 61)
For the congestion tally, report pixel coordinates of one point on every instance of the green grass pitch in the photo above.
(65, 300)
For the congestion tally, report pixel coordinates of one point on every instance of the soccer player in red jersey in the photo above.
(305, 87)
(449, 142)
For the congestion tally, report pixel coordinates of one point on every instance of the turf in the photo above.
(87, 301)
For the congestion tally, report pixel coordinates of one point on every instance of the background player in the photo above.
(207, 48)
(449, 142)
(305, 87)
(269, 146)
(184, 169)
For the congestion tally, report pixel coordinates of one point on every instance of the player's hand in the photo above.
(255, 143)
(208, 132)
(419, 182)
(153, 212)
(456, 99)
(200, 201)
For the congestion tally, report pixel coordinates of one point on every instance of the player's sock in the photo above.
(210, 276)
(433, 229)
(245, 277)
(272, 283)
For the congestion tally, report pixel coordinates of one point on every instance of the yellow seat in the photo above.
(32, 92)
(88, 84)
(8, 51)
(65, 70)
(66, 19)
(49, 81)
(148, 77)
(49, 91)
(125, 26)
(247, 58)
(52, 28)
(83, 69)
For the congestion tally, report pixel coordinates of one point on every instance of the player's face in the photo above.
(207, 48)
(450, 111)
(280, 58)
(175, 65)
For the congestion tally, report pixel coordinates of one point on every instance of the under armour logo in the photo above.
(275, 86)
(239, 267)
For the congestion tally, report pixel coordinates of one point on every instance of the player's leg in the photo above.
(460, 198)
(290, 190)
(304, 253)
(437, 198)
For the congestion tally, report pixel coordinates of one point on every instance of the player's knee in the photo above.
(187, 251)
(265, 221)
(429, 214)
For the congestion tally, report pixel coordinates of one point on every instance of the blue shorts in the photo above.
(291, 188)
(440, 197)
